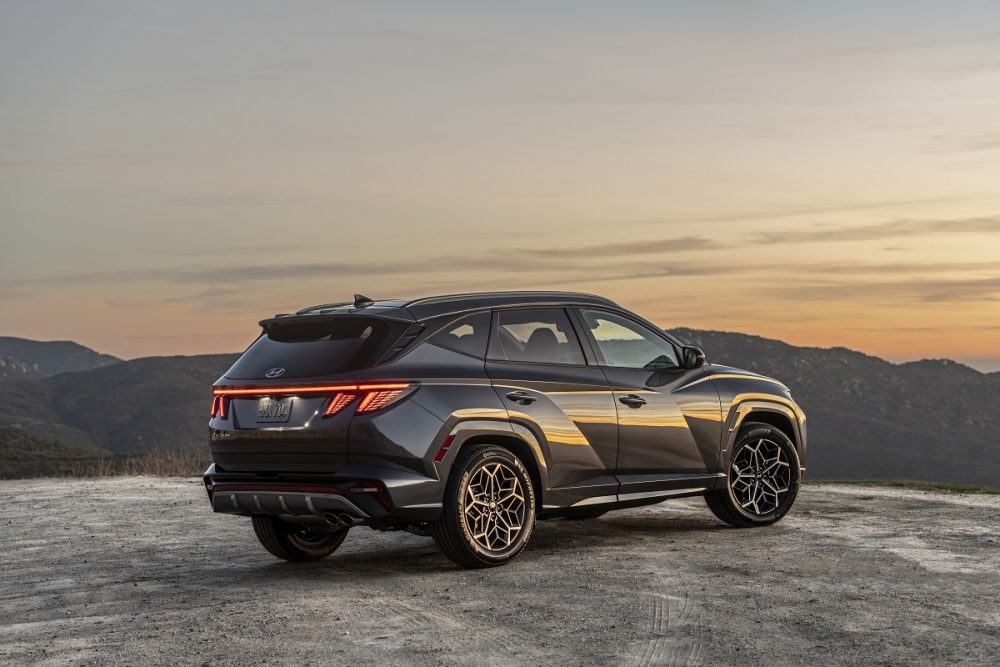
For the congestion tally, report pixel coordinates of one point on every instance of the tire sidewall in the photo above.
(314, 549)
(475, 462)
(782, 440)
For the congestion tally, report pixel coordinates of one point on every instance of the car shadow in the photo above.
(552, 539)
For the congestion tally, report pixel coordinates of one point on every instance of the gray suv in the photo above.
(469, 417)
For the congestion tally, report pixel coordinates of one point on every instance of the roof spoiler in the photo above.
(298, 318)
(360, 301)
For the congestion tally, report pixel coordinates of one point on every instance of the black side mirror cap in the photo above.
(692, 357)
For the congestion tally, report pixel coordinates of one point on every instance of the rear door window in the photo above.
(313, 346)
(537, 335)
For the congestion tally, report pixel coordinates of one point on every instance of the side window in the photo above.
(540, 335)
(467, 335)
(627, 344)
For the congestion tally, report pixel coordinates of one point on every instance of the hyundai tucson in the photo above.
(469, 417)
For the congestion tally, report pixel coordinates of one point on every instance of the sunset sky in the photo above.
(824, 173)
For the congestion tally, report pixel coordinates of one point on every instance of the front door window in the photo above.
(627, 344)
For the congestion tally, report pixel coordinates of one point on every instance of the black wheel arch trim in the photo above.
(515, 437)
(775, 411)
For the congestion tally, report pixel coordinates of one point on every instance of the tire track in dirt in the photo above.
(675, 631)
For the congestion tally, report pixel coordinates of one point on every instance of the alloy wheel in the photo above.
(760, 477)
(494, 507)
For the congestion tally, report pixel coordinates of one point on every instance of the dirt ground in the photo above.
(139, 571)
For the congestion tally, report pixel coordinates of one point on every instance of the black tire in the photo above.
(756, 483)
(292, 543)
(454, 532)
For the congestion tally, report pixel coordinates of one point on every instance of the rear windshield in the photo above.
(318, 347)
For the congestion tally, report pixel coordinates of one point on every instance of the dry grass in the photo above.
(163, 463)
(913, 484)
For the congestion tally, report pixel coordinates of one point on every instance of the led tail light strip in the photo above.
(375, 396)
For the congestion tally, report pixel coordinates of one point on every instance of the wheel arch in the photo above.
(522, 451)
(776, 419)
(785, 417)
(517, 440)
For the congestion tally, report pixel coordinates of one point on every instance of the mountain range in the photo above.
(932, 420)
(21, 358)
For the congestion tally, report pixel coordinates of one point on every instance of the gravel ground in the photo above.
(139, 571)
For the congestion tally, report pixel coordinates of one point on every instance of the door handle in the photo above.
(632, 400)
(522, 397)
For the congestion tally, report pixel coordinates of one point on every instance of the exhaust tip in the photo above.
(343, 519)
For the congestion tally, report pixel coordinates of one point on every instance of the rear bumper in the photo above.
(365, 492)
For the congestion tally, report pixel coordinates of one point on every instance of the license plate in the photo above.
(274, 411)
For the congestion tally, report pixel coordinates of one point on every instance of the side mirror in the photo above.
(692, 358)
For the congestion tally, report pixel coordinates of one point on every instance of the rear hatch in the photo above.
(281, 407)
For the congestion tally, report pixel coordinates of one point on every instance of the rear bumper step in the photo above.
(368, 494)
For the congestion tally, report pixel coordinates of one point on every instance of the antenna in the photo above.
(361, 301)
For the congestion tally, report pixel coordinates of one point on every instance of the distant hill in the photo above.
(932, 420)
(132, 406)
(21, 358)
(867, 418)
(12, 369)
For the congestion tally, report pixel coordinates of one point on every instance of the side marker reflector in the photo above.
(444, 449)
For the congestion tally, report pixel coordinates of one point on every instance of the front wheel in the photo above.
(762, 480)
(489, 508)
(296, 543)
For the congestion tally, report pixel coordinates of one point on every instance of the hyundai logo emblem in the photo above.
(275, 372)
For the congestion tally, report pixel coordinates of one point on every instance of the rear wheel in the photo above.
(296, 543)
(762, 480)
(489, 508)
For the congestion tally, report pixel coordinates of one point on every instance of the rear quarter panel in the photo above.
(454, 390)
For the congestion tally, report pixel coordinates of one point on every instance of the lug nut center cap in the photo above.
(493, 505)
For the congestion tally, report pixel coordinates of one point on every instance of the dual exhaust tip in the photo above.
(343, 519)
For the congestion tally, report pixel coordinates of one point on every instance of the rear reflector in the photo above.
(444, 449)
(377, 490)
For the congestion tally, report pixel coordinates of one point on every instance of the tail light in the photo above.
(373, 397)
(219, 406)
(339, 401)
(378, 396)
